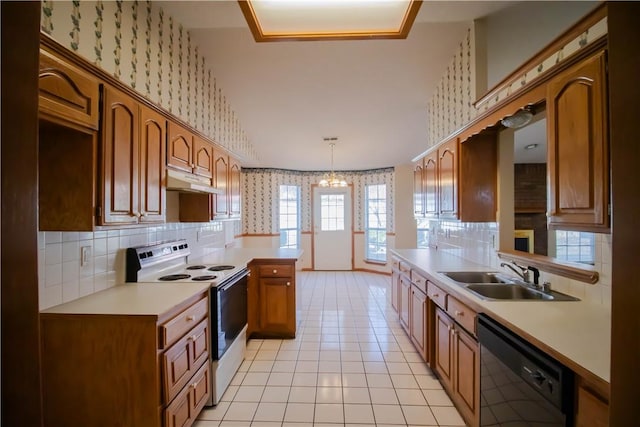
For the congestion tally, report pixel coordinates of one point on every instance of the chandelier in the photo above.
(331, 179)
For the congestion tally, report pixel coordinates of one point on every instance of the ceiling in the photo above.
(370, 94)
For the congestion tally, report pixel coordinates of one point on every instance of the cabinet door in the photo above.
(430, 174)
(418, 190)
(203, 157)
(153, 170)
(234, 188)
(395, 283)
(578, 147)
(443, 348)
(220, 178)
(448, 178)
(119, 159)
(67, 93)
(277, 306)
(179, 148)
(467, 374)
(591, 411)
(405, 303)
(419, 321)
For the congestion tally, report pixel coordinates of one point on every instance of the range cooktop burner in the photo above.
(221, 267)
(172, 277)
(205, 277)
(196, 267)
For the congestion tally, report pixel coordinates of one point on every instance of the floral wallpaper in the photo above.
(139, 44)
(451, 106)
(260, 196)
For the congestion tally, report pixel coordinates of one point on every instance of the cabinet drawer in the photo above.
(183, 358)
(419, 280)
(184, 410)
(179, 325)
(462, 314)
(437, 295)
(405, 268)
(276, 270)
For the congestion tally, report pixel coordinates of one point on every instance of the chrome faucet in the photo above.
(523, 272)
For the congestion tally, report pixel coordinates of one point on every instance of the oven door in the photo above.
(228, 312)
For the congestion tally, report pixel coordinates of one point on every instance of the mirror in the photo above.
(525, 149)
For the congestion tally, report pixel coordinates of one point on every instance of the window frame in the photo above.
(287, 231)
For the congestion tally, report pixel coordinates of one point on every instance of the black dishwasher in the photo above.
(519, 384)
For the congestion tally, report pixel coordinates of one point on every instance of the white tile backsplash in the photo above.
(476, 242)
(61, 278)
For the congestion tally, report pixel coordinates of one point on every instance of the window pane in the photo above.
(376, 222)
(289, 213)
(332, 212)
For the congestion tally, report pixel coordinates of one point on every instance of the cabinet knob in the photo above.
(288, 283)
(449, 328)
(459, 313)
(275, 271)
(191, 318)
(143, 213)
(194, 385)
(192, 338)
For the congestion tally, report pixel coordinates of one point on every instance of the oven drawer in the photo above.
(276, 270)
(183, 358)
(179, 325)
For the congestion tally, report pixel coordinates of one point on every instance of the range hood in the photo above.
(186, 182)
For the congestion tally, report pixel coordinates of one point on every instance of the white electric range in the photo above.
(169, 262)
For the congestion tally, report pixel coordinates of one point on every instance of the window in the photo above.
(332, 212)
(423, 233)
(376, 222)
(289, 216)
(575, 246)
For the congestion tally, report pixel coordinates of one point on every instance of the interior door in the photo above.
(332, 244)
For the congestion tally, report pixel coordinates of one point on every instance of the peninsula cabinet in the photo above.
(271, 299)
(132, 162)
(67, 94)
(142, 368)
(578, 153)
(187, 152)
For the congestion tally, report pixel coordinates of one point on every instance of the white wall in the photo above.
(406, 226)
(515, 34)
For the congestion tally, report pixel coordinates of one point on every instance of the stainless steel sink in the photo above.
(516, 292)
(477, 277)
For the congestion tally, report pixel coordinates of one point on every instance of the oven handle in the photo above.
(232, 280)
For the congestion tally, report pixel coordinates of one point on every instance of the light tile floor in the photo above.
(350, 364)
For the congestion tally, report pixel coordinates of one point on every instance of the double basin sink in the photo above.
(496, 286)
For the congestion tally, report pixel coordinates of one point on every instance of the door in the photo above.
(418, 190)
(430, 174)
(179, 148)
(443, 347)
(120, 159)
(448, 178)
(203, 157)
(332, 244)
(234, 188)
(467, 365)
(405, 303)
(419, 320)
(220, 181)
(152, 161)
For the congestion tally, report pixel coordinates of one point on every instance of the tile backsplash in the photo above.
(64, 277)
(477, 242)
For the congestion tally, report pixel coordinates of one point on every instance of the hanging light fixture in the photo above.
(331, 179)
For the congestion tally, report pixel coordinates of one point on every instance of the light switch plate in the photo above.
(85, 255)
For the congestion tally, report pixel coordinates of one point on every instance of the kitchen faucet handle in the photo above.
(536, 274)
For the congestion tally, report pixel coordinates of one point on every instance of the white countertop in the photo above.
(577, 333)
(153, 299)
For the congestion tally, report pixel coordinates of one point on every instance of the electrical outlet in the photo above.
(85, 255)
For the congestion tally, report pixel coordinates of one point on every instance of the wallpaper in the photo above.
(451, 106)
(260, 196)
(140, 45)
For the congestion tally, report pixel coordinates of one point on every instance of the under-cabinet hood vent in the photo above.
(180, 181)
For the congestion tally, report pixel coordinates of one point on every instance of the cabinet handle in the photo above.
(459, 313)
(435, 295)
(143, 213)
(275, 271)
(194, 385)
(288, 283)
(449, 328)
(192, 338)
(191, 318)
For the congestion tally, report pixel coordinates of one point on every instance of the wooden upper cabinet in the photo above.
(152, 161)
(430, 184)
(418, 189)
(578, 155)
(234, 188)
(120, 152)
(220, 181)
(67, 93)
(448, 179)
(478, 178)
(202, 157)
(179, 148)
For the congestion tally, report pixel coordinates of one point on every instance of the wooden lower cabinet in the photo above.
(405, 303)
(457, 363)
(272, 299)
(126, 369)
(592, 410)
(395, 283)
(418, 325)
